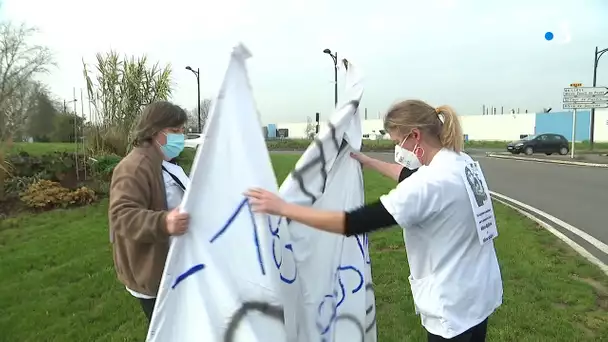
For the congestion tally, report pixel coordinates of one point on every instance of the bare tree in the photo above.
(310, 128)
(18, 108)
(193, 115)
(19, 62)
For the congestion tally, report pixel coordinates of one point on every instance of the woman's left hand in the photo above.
(263, 201)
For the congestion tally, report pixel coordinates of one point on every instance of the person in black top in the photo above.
(374, 215)
(442, 242)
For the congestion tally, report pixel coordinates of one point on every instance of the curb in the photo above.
(551, 161)
(553, 230)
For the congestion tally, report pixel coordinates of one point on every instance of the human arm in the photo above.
(329, 221)
(362, 220)
(390, 170)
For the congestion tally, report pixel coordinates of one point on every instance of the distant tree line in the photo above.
(27, 108)
(117, 89)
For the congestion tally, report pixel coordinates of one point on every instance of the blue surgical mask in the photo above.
(174, 146)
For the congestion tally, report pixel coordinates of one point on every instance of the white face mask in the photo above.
(406, 158)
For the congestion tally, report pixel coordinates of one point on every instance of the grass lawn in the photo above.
(298, 144)
(59, 283)
(44, 148)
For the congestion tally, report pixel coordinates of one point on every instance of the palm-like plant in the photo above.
(5, 171)
(122, 88)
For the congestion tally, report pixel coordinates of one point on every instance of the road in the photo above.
(587, 158)
(574, 194)
(577, 195)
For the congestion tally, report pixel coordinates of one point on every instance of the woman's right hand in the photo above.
(361, 158)
(177, 222)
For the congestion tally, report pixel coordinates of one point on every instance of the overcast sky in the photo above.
(465, 53)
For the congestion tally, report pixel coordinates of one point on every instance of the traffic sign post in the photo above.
(573, 133)
(585, 97)
(585, 105)
(579, 97)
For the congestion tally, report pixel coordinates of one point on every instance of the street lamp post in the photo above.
(598, 55)
(334, 57)
(198, 84)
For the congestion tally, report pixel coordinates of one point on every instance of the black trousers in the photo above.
(475, 334)
(147, 306)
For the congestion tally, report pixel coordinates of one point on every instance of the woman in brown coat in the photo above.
(141, 219)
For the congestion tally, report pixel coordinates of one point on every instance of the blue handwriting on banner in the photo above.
(256, 240)
(363, 242)
(337, 298)
(279, 262)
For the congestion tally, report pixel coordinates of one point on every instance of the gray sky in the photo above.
(465, 53)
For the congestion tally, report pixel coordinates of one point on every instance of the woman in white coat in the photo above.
(455, 277)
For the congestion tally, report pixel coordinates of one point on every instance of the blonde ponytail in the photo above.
(439, 122)
(451, 131)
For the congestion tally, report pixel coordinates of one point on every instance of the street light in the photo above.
(598, 55)
(198, 84)
(65, 105)
(334, 57)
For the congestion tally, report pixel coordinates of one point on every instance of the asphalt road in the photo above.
(577, 195)
(588, 157)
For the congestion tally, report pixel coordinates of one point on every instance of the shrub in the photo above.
(46, 194)
(108, 140)
(186, 158)
(52, 166)
(5, 171)
(16, 185)
(100, 187)
(103, 166)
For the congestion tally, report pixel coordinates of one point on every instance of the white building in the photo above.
(495, 127)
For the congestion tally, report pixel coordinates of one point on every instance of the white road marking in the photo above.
(546, 161)
(578, 248)
(595, 242)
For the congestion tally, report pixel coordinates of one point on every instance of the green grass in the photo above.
(301, 144)
(388, 145)
(44, 148)
(59, 283)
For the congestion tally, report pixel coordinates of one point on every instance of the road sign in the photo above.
(586, 91)
(586, 99)
(588, 105)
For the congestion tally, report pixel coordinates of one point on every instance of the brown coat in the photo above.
(137, 213)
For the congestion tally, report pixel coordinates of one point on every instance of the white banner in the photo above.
(233, 275)
(334, 271)
(221, 282)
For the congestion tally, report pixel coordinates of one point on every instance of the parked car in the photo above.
(194, 139)
(542, 143)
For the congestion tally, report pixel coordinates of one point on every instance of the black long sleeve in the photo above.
(373, 216)
(368, 218)
(405, 172)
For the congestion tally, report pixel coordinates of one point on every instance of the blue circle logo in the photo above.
(549, 35)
